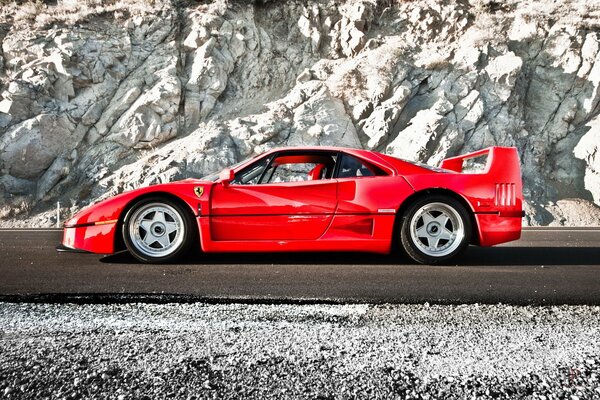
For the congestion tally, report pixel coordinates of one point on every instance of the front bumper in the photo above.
(61, 248)
(99, 239)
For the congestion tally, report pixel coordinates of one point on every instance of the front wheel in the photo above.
(158, 230)
(435, 229)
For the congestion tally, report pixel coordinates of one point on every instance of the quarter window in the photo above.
(352, 167)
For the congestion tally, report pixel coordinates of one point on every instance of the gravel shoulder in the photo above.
(199, 350)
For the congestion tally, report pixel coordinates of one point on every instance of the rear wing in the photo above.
(502, 162)
(502, 169)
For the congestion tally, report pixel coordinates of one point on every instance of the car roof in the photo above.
(350, 150)
(371, 156)
(388, 163)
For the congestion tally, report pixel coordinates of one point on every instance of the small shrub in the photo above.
(15, 206)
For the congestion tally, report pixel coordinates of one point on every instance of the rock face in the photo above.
(97, 100)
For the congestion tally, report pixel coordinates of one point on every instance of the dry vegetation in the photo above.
(18, 205)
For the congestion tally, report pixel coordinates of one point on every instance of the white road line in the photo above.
(562, 230)
(525, 229)
(29, 230)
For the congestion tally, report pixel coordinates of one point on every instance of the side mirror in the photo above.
(226, 176)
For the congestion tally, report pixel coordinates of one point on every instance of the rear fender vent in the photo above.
(506, 195)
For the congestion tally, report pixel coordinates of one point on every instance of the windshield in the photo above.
(215, 175)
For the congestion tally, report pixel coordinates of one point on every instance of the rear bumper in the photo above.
(497, 228)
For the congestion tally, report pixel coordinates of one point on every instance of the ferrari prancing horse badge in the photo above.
(199, 190)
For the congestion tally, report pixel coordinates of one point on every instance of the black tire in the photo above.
(424, 235)
(171, 236)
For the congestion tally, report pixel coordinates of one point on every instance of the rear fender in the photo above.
(502, 172)
(494, 191)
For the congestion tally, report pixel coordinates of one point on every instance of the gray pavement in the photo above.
(547, 266)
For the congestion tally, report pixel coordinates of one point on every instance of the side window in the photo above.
(251, 174)
(296, 172)
(298, 167)
(352, 167)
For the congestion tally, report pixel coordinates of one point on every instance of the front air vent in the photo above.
(506, 195)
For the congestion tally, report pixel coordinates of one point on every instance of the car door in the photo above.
(362, 188)
(290, 197)
(368, 198)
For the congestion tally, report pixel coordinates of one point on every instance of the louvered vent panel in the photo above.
(506, 195)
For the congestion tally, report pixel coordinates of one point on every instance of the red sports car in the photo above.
(315, 199)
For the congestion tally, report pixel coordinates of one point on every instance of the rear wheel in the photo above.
(158, 230)
(434, 229)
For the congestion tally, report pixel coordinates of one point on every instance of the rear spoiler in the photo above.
(503, 170)
(503, 161)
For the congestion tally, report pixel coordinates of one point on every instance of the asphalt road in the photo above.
(547, 266)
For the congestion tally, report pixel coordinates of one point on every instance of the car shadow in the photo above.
(473, 256)
(508, 255)
(317, 258)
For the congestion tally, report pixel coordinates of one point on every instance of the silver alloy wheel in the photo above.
(437, 229)
(156, 230)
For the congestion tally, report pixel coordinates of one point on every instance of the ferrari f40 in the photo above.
(315, 199)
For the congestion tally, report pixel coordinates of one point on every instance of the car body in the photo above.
(314, 199)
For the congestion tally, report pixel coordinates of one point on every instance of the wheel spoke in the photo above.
(422, 232)
(446, 234)
(164, 241)
(149, 238)
(159, 216)
(434, 242)
(442, 219)
(427, 218)
(171, 227)
(145, 224)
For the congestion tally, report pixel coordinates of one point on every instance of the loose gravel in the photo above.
(230, 351)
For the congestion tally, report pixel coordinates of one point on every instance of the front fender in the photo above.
(94, 228)
(105, 212)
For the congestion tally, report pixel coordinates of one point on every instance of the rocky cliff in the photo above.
(100, 97)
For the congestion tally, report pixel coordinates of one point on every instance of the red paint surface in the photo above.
(345, 214)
